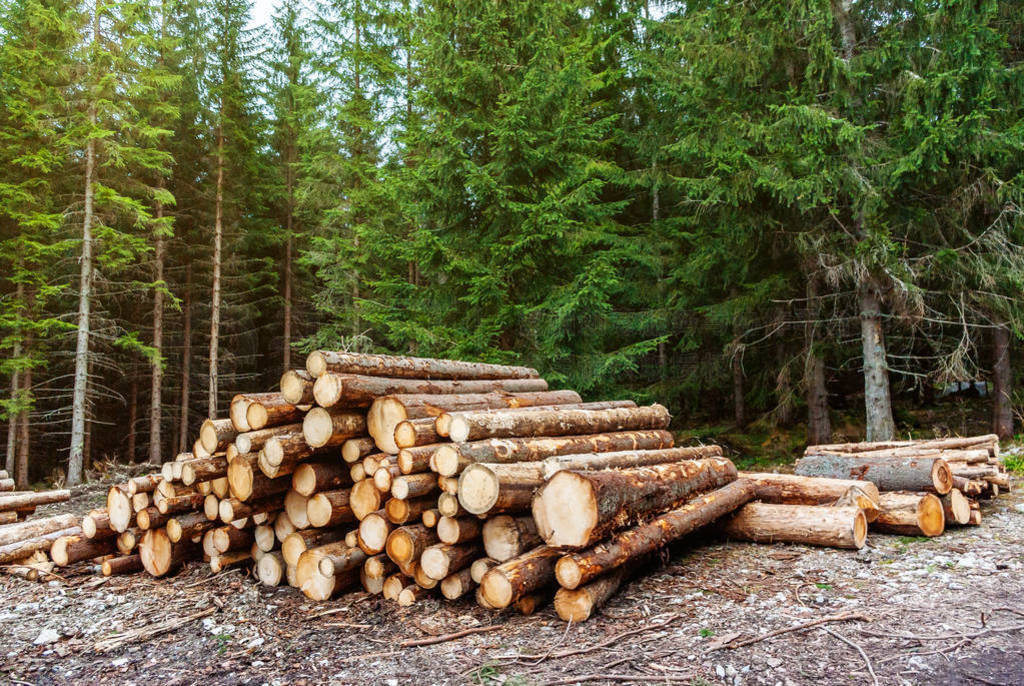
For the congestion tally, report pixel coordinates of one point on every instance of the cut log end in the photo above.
(446, 460)
(316, 364)
(327, 390)
(478, 489)
(317, 427)
(570, 501)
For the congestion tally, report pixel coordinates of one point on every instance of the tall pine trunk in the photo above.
(739, 403)
(1002, 383)
(819, 424)
(133, 416)
(20, 473)
(157, 364)
(12, 421)
(186, 361)
(78, 400)
(877, 403)
(287, 328)
(218, 235)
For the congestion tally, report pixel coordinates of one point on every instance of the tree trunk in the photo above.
(739, 405)
(834, 527)
(157, 363)
(472, 426)
(21, 474)
(910, 514)
(218, 237)
(133, 417)
(878, 404)
(841, 10)
(819, 425)
(1002, 384)
(287, 325)
(322, 361)
(80, 392)
(579, 508)
(186, 361)
(790, 489)
(888, 473)
(13, 421)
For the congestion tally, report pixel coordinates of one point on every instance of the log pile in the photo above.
(415, 477)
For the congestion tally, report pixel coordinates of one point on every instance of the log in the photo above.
(211, 507)
(126, 542)
(888, 474)
(442, 559)
(448, 484)
(443, 422)
(236, 412)
(356, 472)
(180, 503)
(198, 450)
(96, 524)
(506, 537)
(458, 584)
(340, 558)
(833, 527)
(416, 432)
(790, 489)
(910, 514)
(473, 426)
(140, 501)
(295, 507)
(582, 567)
(414, 486)
(146, 483)
(34, 528)
(316, 586)
(417, 459)
(218, 563)
(411, 594)
(7, 485)
(245, 483)
(576, 508)
(531, 602)
(228, 538)
(297, 387)
(330, 508)
(272, 412)
(421, 578)
(19, 550)
(270, 569)
(406, 543)
(956, 508)
(151, 518)
(373, 532)
(205, 469)
(23, 500)
(406, 511)
(300, 541)
(119, 509)
(322, 428)
(393, 585)
(215, 434)
(287, 448)
(449, 459)
(220, 487)
(954, 443)
(481, 567)
(320, 362)
(387, 412)
(448, 505)
(355, 449)
(8, 517)
(283, 526)
(126, 564)
(578, 605)
(253, 441)
(310, 477)
(504, 584)
(365, 498)
(76, 547)
(352, 538)
(498, 488)
(384, 476)
(461, 530)
(360, 390)
(231, 509)
(431, 517)
(187, 525)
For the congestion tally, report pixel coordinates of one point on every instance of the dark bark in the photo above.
(877, 403)
(1002, 384)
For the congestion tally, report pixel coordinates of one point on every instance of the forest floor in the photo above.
(948, 610)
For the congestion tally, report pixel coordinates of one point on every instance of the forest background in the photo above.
(779, 213)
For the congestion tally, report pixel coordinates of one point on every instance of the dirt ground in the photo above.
(948, 610)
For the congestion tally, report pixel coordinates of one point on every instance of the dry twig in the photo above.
(149, 631)
(448, 637)
(867, 661)
(841, 617)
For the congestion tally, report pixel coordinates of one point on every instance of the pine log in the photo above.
(74, 548)
(498, 488)
(422, 579)
(387, 412)
(300, 541)
(8, 517)
(506, 537)
(352, 538)
(320, 362)
(356, 472)
(416, 459)
(204, 469)
(460, 530)
(126, 564)
(215, 434)
(297, 387)
(283, 526)
(330, 508)
(790, 489)
(448, 484)
(365, 498)
(503, 585)
(449, 459)
(383, 477)
(146, 483)
(580, 508)
(152, 517)
(253, 441)
(19, 550)
(270, 569)
(393, 585)
(833, 527)
(180, 503)
(227, 538)
(218, 563)
(416, 432)
(245, 483)
(140, 501)
(373, 532)
(448, 505)
(119, 509)
(339, 558)
(355, 449)
(19, 501)
(211, 507)
(322, 428)
(412, 594)
(443, 422)
(272, 412)
(360, 391)
(414, 486)
(406, 511)
(954, 443)
(473, 426)
(956, 507)
(910, 514)
(458, 584)
(236, 412)
(442, 559)
(310, 477)
(316, 586)
(15, 533)
(406, 543)
(231, 509)
(582, 567)
(888, 474)
(295, 507)
(126, 542)
(578, 605)
(187, 525)
(96, 524)
(481, 567)
(430, 517)
(531, 602)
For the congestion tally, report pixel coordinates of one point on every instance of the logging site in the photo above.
(511, 342)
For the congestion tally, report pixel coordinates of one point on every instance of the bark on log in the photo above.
(96, 524)
(40, 527)
(188, 525)
(414, 486)
(462, 529)
(416, 432)
(406, 543)
(180, 503)
(330, 508)
(511, 580)
(443, 422)
(151, 518)
(320, 362)
(373, 532)
(579, 568)
(19, 550)
(216, 434)
(386, 412)
(272, 412)
(126, 564)
(458, 584)
(253, 441)
(232, 509)
(300, 541)
(74, 548)
(442, 559)
(228, 538)
(580, 508)
(790, 489)
(833, 527)
(18, 501)
(417, 459)
(218, 563)
(498, 488)
(954, 443)
(246, 484)
(956, 507)
(322, 428)
(472, 426)
(311, 477)
(408, 510)
(316, 586)
(205, 469)
(578, 605)
(338, 558)
(888, 474)
(506, 537)
(384, 476)
(297, 387)
(910, 514)
(354, 390)
(355, 449)
(450, 459)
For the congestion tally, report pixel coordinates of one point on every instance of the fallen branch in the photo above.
(621, 678)
(841, 617)
(856, 646)
(146, 632)
(449, 637)
(596, 646)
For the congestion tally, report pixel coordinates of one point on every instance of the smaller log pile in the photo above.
(925, 484)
